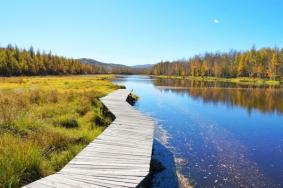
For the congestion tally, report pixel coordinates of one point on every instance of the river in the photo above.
(213, 134)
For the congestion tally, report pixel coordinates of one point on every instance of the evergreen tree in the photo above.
(262, 63)
(274, 66)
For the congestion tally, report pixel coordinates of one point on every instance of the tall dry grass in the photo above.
(45, 122)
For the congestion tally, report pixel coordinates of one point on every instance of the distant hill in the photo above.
(117, 68)
(145, 66)
(99, 63)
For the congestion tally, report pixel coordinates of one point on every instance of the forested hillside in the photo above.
(108, 68)
(112, 68)
(262, 63)
(23, 62)
(15, 62)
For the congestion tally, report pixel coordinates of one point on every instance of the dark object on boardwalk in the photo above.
(132, 98)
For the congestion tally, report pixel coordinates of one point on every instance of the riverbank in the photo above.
(240, 80)
(117, 158)
(46, 121)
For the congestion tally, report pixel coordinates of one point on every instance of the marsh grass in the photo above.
(46, 121)
(132, 98)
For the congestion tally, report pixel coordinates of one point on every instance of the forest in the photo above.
(16, 62)
(266, 63)
(23, 62)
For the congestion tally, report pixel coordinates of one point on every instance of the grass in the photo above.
(132, 98)
(239, 80)
(46, 121)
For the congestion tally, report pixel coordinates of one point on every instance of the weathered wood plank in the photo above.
(119, 157)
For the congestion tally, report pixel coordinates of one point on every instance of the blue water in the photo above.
(213, 135)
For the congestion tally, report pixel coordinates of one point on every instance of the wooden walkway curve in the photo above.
(119, 157)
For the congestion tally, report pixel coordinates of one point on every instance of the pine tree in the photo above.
(274, 66)
(242, 67)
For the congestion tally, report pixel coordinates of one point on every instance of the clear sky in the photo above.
(140, 31)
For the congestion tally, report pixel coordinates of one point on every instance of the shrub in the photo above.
(132, 99)
(19, 161)
(67, 121)
(50, 110)
(21, 100)
(51, 139)
(35, 97)
(83, 106)
(53, 96)
(99, 120)
(28, 124)
(9, 111)
(70, 96)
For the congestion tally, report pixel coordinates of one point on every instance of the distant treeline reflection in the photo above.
(262, 98)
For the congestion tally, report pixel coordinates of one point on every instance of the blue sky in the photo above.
(140, 31)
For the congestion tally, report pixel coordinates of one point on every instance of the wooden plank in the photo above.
(119, 157)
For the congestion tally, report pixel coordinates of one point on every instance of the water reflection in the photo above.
(206, 127)
(261, 98)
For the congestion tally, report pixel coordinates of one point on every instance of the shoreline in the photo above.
(238, 80)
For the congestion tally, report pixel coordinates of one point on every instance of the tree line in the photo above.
(264, 63)
(28, 62)
(264, 99)
(16, 62)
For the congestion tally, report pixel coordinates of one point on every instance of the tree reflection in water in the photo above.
(261, 98)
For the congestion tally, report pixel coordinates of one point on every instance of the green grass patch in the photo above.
(46, 121)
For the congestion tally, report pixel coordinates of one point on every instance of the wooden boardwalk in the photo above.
(119, 157)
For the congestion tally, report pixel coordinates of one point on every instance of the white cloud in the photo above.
(216, 21)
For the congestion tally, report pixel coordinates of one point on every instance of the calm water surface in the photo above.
(213, 134)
